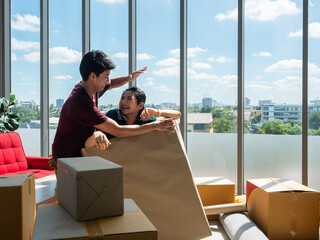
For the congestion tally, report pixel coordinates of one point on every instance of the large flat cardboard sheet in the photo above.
(158, 178)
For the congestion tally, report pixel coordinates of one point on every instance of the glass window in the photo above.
(65, 53)
(273, 70)
(212, 88)
(25, 70)
(314, 94)
(109, 33)
(158, 48)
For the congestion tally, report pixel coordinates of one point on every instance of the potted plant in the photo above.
(9, 121)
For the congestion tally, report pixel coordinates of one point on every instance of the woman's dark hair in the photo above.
(140, 95)
(95, 61)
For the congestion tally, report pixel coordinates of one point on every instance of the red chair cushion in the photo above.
(12, 156)
(38, 173)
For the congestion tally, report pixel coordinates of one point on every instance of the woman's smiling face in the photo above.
(129, 103)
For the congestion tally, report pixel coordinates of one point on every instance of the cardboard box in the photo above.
(215, 190)
(17, 206)
(90, 187)
(283, 209)
(53, 222)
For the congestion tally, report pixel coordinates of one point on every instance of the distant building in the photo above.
(26, 104)
(264, 102)
(59, 103)
(247, 102)
(282, 112)
(168, 105)
(199, 122)
(207, 101)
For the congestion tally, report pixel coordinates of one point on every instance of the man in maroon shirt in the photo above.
(80, 115)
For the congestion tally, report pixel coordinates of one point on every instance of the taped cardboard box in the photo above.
(17, 206)
(283, 209)
(90, 187)
(158, 178)
(53, 222)
(215, 190)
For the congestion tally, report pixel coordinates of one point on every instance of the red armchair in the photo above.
(14, 161)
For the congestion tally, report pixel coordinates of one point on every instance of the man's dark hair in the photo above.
(95, 61)
(140, 95)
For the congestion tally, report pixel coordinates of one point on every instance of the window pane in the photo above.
(158, 43)
(273, 87)
(109, 33)
(65, 54)
(314, 101)
(25, 70)
(212, 88)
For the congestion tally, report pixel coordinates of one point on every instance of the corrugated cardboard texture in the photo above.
(90, 187)
(17, 206)
(53, 222)
(215, 190)
(284, 211)
(158, 178)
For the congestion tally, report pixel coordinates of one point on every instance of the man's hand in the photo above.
(164, 124)
(149, 113)
(136, 74)
(101, 141)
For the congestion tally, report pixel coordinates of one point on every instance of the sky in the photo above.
(272, 49)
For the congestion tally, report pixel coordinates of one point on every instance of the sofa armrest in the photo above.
(38, 163)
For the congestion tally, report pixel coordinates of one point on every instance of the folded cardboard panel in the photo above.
(158, 178)
(53, 222)
(90, 187)
(215, 190)
(283, 209)
(17, 206)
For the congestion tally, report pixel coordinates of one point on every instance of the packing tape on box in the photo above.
(94, 230)
(225, 208)
(293, 214)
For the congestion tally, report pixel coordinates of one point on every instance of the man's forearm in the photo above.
(119, 81)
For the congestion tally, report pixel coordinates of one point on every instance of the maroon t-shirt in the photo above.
(78, 116)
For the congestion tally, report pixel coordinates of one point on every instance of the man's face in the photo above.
(102, 80)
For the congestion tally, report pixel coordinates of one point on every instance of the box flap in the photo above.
(280, 185)
(212, 181)
(14, 180)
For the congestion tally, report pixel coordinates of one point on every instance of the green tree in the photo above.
(314, 120)
(27, 114)
(223, 125)
(256, 118)
(206, 109)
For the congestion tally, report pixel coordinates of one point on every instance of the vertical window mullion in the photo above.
(240, 175)
(44, 76)
(85, 26)
(132, 39)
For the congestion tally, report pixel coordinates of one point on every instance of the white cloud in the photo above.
(169, 62)
(62, 77)
(262, 10)
(111, 1)
(288, 82)
(163, 88)
(143, 56)
(258, 86)
(121, 55)
(57, 55)
(313, 69)
(192, 52)
(24, 45)
(64, 55)
(140, 56)
(226, 79)
(33, 92)
(257, 77)
(202, 76)
(201, 65)
(262, 54)
(26, 22)
(166, 72)
(149, 83)
(313, 31)
(220, 59)
(32, 57)
(13, 57)
(292, 65)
